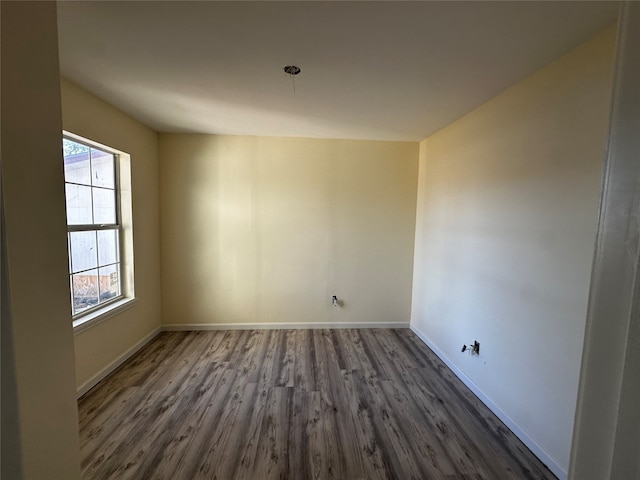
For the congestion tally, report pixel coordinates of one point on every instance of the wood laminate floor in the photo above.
(293, 404)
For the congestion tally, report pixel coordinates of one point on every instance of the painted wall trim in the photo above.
(607, 423)
(93, 381)
(280, 326)
(513, 426)
(96, 318)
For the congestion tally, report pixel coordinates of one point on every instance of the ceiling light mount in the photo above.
(292, 70)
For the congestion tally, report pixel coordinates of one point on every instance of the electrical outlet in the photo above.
(473, 348)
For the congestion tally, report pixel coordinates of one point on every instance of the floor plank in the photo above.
(293, 404)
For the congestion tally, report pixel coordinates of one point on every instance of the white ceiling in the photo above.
(370, 70)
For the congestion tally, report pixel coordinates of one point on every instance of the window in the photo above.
(94, 226)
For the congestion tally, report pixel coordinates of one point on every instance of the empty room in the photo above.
(320, 240)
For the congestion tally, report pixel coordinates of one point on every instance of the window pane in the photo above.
(107, 247)
(109, 282)
(102, 169)
(92, 201)
(78, 204)
(104, 206)
(76, 162)
(84, 254)
(85, 290)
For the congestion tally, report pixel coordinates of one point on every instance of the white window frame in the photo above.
(92, 316)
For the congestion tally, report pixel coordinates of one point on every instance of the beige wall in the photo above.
(86, 115)
(259, 230)
(507, 211)
(44, 439)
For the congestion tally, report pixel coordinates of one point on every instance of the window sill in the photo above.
(93, 319)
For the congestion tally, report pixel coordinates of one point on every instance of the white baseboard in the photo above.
(280, 326)
(93, 381)
(544, 457)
